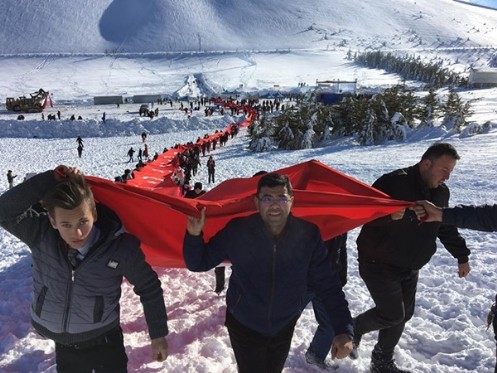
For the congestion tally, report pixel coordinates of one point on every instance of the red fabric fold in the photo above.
(152, 209)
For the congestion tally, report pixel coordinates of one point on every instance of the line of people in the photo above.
(391, 250)
(279, 263)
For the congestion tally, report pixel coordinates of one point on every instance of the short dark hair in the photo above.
(440, 149)
(197, 185)
(259, 173)
(68, 194)
(272, 180)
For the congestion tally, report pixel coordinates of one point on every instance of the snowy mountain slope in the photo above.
(90, 26)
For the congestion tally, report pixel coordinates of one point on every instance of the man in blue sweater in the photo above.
(275, 257)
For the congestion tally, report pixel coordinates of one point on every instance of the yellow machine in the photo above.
(34, 104)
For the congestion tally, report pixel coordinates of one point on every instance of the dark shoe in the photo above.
(220, 279)
(356, 341)
(312, 359)
(219, 289)
(380, 366)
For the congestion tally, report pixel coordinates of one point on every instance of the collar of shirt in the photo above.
(94, 236)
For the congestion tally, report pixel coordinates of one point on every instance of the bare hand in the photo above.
(62, 171)
(160, 349)
(342, 346)
(463, 269)
(398, 215)
(427, 211)
(195, 225)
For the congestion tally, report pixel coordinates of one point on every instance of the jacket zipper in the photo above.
(270, 311)
(68, 299)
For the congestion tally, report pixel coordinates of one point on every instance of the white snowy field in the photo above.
(78, 50)
(447, 333)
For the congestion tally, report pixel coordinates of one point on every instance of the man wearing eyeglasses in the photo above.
(275, 257)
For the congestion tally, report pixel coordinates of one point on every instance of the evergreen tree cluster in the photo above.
(411, 68)
(373, 119)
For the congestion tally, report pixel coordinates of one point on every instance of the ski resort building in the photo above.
(332, 91)
(106, 100)
(481, 78)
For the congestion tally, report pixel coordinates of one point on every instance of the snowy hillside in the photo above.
(131, 26)
(77, 49)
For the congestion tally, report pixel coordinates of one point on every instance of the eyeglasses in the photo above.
(266, 200)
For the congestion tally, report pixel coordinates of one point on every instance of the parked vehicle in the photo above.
(34, 104)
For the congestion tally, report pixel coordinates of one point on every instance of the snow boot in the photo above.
(382, 362)
(312, 359)
(382, 366)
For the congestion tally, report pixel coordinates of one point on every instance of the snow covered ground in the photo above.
(447, 333)
(67, 57)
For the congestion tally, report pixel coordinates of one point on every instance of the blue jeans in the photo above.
(323, 337)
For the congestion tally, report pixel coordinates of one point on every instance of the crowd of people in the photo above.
(279, 262)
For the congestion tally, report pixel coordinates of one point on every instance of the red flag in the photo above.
(156, 214)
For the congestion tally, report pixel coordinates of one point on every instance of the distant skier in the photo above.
(131, 152)
(10, 178)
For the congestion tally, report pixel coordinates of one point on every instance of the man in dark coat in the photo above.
(10, 178)
(211, 169)
(197, 191)
(394, 248)
(320, 345)
(275, 257)
(131, 151)
(480, 218)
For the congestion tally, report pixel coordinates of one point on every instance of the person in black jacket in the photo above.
(480, 218)
(394, 248)
(197, 191)
(220, 272)
(275, 258)
(321, 343)
(80, 254)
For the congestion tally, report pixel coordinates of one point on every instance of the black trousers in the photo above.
(393, 291)
(220, 278)
(211, 176)
(257, 353)
(103, 355)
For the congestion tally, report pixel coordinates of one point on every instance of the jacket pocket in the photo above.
(98, 310)
(40, 300)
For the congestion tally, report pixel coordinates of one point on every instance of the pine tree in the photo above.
(429, 108)
(260, 133)
(455, 111)
(367, 136)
